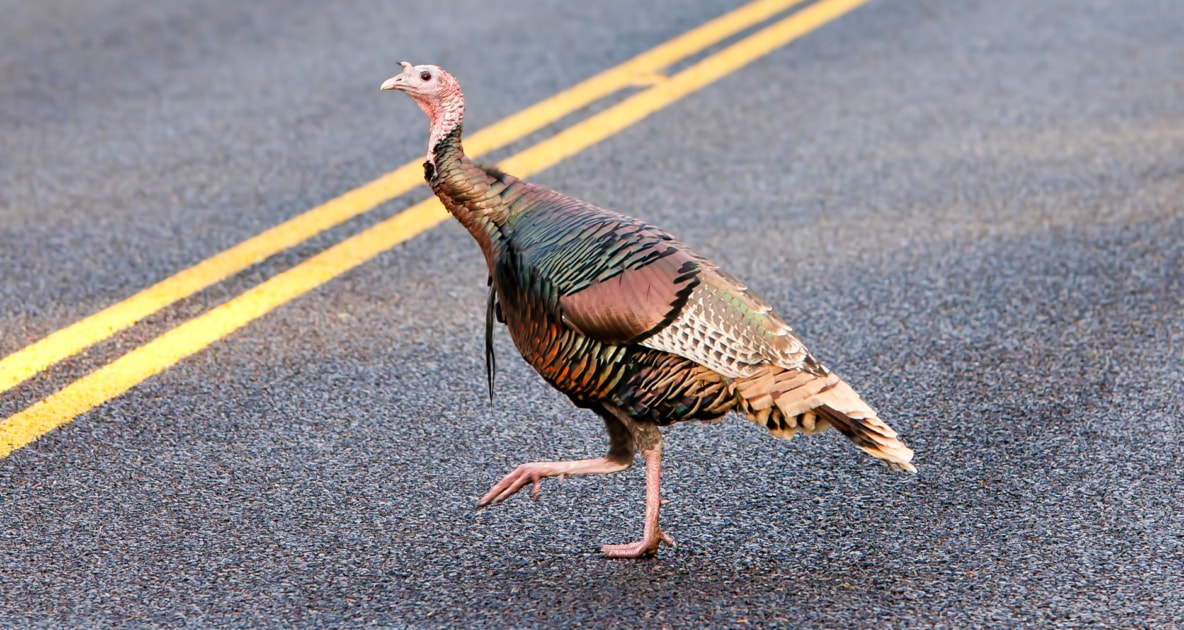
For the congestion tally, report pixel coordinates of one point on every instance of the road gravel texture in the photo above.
(973, 211)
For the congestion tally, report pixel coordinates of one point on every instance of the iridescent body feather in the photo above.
(627, 321)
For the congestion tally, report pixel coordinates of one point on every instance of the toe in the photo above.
(510, 484)
(630, 550)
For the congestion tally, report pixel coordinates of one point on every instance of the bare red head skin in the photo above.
(437, 93)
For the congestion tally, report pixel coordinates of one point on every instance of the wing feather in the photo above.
(634, 303)
(618, 280)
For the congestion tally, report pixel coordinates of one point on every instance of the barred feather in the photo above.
(788, 401)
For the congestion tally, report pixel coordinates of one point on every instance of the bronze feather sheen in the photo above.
(611, 310)
(626, 321)
(623, 318)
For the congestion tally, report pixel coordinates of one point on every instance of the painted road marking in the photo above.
(168, 349)
(23, 364)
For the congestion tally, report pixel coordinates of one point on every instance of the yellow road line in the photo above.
(25, 363)
(198, 333)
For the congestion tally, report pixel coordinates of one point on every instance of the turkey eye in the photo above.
(425, 75)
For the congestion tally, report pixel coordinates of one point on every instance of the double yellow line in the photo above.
(194, 335)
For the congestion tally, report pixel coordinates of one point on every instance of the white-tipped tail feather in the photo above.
(788, 401)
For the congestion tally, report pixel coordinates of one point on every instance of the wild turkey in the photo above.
(627, 321)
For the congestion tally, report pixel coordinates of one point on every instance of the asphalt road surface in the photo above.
(973, 211)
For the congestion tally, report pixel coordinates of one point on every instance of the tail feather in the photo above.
(788, 401)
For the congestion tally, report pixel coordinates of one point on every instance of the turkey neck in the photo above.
(469, 192)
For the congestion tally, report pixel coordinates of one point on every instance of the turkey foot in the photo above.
(647, 546)
(534, 472)
(652, 535)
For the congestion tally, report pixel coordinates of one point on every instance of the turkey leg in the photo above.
(649, 442)
(619, 457)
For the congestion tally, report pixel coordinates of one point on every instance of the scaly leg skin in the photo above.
(652, 535)
(536, 471)
(619, 457)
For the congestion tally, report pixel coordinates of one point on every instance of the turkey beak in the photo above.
(392, 83)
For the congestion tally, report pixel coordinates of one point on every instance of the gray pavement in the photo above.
(972, 211)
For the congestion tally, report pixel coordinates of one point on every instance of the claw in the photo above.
(667, 540)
